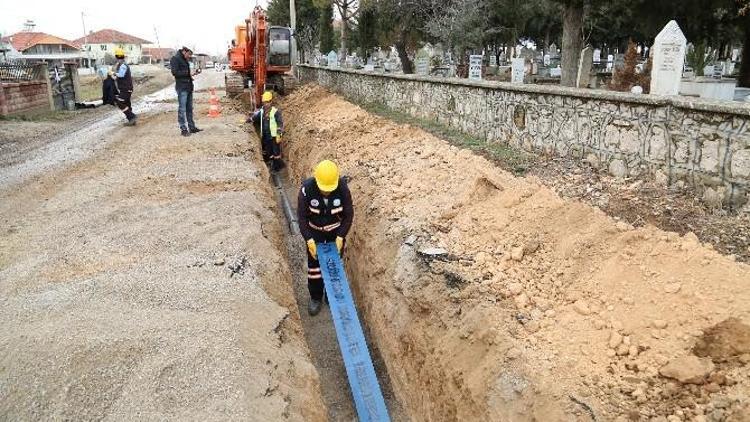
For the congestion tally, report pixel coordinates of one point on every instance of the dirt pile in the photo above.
(149, 280)
(490, 297)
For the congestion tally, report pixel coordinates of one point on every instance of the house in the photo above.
(42, 47)
(100, 46)
(155, 55)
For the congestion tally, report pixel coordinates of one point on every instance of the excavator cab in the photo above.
(279, 46)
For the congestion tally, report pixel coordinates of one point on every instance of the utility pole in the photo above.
(293, 24)
(86, 42)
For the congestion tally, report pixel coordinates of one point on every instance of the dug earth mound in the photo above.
(491, 298)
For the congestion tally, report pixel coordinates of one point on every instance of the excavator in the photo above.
(260, 57)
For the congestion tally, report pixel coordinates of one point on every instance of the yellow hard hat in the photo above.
(267, 96)
(327, 176)
(119, 52)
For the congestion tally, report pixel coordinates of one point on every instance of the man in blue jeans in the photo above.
(183, 83)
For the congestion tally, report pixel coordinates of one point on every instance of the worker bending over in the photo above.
(271, 129)
(325, 213)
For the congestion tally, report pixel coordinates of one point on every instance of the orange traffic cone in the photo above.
(213, 108)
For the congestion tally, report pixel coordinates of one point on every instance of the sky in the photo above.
(206, 26)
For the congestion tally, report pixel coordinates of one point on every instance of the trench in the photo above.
(319, 331)
(511, 320)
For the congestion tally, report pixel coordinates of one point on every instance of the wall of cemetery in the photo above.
(706, 144)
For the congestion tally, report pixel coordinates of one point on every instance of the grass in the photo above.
(505, 156)
(41, 116)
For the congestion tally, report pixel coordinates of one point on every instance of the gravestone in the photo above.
(597, 55)
(369, 68)
(555, 72)
(333, 60)
(422, 62)
(475, 67)
(553, 50)
(518, 70)
(547, 59)
(735, 54)
(584, 67)
(669, 56)
(610, 62)
(493, 60)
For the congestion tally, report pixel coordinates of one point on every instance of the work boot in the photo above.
(313, 307)
(185, 132)
(195, 130)
(130, 122)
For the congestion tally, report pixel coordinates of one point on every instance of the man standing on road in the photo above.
(271, 129)
(325, 213)
(124, 87)
(183, 83)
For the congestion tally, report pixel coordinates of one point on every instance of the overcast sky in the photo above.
(207, 26)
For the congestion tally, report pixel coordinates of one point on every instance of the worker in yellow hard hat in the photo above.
(271, 128)
(124, 86)
(325, 213)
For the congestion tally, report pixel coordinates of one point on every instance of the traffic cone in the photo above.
(213, 108)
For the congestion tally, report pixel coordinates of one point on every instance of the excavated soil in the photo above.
(145, 278)
(492, 298)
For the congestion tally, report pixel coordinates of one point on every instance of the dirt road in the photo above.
(142, 276)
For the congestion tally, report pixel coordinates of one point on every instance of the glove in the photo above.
(313, 248)
(339, 243)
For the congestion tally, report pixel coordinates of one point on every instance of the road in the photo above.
(142, 276)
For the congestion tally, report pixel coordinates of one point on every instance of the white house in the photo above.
(100, 46)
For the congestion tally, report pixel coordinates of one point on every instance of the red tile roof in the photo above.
(158, 53)
(110, 36)
(22, 41)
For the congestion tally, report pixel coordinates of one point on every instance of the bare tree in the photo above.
(348, 10)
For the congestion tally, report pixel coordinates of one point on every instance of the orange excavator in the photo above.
(260, 57)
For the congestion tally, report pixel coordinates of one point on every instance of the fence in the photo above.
(19, 71)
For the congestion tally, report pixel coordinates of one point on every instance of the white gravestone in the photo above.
(333, 60)
(610, 62)
(475, 67)
(584, 67)
(735, 54)
(369, 68)
(597, 55)
(518, 70)
(669, 57)
(423, 66)
(547, 59)
(493, 60)
(555, 72)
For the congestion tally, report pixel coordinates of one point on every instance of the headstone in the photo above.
(597, 55)
(475, 67)
(669, 56)
(422, 62)
(518, 70)
(333, 60)
(584, 67)
(547, 59)
(369, 68)
(423, 65)
(534, 68)
(493, 60)
(555, 72)
(610, 62)
(735, 54)
(553, 51)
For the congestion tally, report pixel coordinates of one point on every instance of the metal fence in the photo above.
(19, 71)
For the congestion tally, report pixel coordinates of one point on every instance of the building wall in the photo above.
(704, 143)
(23, 97)
(133, 52)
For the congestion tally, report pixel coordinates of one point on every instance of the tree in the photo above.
(572, 39)
(367, 31)
(348, 10)
(326, 29)
(744, 19)
(308, 22)
(460, 25)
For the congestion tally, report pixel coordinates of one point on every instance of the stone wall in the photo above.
(703, 143)
(23, 97)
